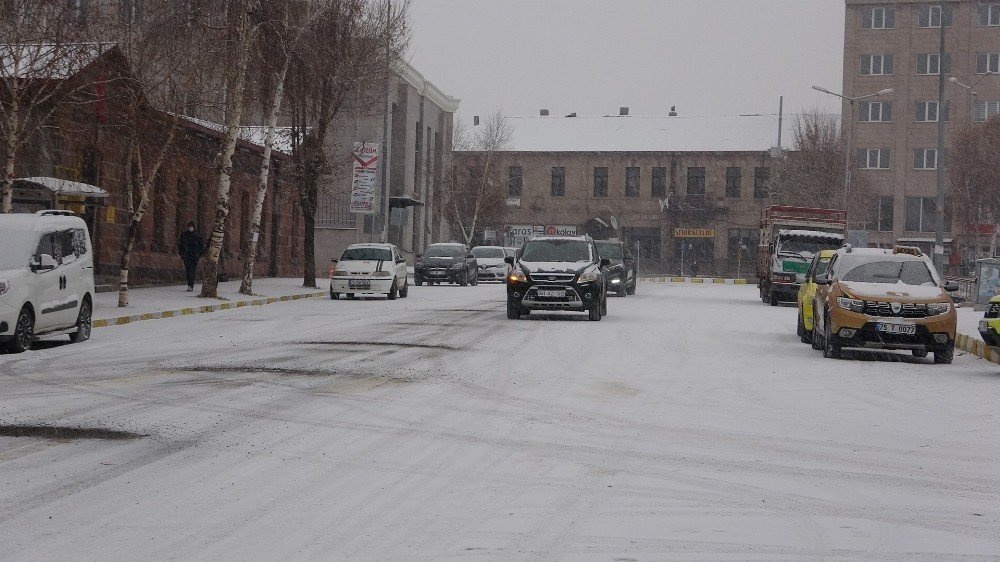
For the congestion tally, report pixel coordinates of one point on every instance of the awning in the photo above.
(400, 202)
(56, 186)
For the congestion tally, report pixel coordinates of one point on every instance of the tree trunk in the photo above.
(309, 249)
(246, 287)
(126, 260)
(7, 179)
(210, 284)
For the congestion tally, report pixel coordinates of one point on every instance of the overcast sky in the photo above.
(707, 57)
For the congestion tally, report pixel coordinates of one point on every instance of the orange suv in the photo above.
(884, 299)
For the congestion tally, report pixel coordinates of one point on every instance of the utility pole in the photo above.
(939, 231)
(384, 188)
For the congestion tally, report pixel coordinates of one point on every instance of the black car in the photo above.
(446, 263)
(558, 273)
(623, 273)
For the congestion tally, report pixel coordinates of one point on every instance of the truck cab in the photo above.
(790, 237)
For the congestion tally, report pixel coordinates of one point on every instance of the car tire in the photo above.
(805, 336)
(513, 311)
(604, 305)
(418, 281)
(24, 332)
(392, 291)
(830, 351)
(405, 291)
(946, 356)
(772, 298)
(334, 296)
(631, 290)
(594, 314)
(84, 322)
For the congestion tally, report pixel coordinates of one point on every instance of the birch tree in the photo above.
(477, 197)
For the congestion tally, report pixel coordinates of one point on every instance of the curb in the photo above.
(698, 280)
(121, 320)
(977, 347)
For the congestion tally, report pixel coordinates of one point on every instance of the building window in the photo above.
(925, 159)
(631, 182)
(930, 16)
(659, 182)
(734, 177)
(696, 180)
(876, 65)
(558, 181)
(883, 217)
(760, 178)
(921, 215)
(878, 18)
(873, 158)
(927, 111)
(875, 111)
(515, 181)
(600, 181)
(987, 63)
(986, 109)
(930, 64)
(989, 14)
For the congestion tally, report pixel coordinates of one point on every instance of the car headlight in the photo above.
(517, 276)
(588, 277)
(854, 305)
(381, 273)
(4, 286)
(933, 309)
(616, 280)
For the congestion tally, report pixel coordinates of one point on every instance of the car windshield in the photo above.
(15, 251)
(611, 251)
(445, 251)
(906, 272)
(822, 266)
(488, 252)
(363, 253)
(808, 245)
(556, 250)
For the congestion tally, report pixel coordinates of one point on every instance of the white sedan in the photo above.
(369, 269)
(492, 266)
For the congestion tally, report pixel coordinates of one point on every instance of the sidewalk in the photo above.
(174, 300)
(696, 280)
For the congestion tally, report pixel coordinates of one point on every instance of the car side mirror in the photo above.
(823, 280)
(334, 260)
(45, 263)
(605, 262)
(951, 286)
(509, 260)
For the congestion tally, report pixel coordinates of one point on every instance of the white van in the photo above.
(46, 278)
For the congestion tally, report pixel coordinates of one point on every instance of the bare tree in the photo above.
(974, 170)
(477, 197)
(42, 48)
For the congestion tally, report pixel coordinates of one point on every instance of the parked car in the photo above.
(623, 273)
(369, 269)
(446, 263)
(989, 326)
(492, 266)
(884, 299)
(807, 291)
(558, 273)
(46, 278)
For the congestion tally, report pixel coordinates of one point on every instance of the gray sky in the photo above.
(707, 57)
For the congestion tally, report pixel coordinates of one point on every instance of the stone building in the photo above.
(896, 45)
(680, 189)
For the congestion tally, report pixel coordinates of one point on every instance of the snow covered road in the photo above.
(689, 424)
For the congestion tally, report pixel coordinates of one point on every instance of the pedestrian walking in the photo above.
(694, 269)
(191, 247)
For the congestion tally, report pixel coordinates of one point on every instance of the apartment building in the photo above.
(896, 44)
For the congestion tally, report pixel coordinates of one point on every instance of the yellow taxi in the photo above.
(807, 292)
(884, 299)
(989, 326)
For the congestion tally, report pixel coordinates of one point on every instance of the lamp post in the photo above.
(845, 123)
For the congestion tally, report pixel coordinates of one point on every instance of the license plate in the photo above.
(436, 273)
(550, 293)
(903, 329)
(359, 284)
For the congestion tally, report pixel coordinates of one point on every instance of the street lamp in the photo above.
(845, 122)
(972, 91)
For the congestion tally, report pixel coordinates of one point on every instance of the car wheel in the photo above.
(604, 305)
(405, 291)
(817, 340)
(946, 356)
(513, 311)
(333, 295)
(392, 291)
(830, 351)
(920, 353)
(24, 332)
(594, 314)
(631, 290)
(773, 298)
(418, 281)
(84, 323)
(805, 336)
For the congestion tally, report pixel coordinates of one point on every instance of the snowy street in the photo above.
(690, 423)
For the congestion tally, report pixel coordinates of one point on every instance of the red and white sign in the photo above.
(364, 186)
(555, 230)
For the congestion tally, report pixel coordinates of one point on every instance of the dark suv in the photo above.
(446, 263)
(623, 273)
(558, 273)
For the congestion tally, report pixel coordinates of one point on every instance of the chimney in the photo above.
(543, 112)
(673, 111)
(475, 121)
(622, 111)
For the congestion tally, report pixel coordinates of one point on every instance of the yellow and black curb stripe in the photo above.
(121, 320)
(697, 280)
(977, 347)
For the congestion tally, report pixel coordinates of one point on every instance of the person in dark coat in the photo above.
(191, 247)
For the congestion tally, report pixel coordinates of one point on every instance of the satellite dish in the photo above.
(614, 222)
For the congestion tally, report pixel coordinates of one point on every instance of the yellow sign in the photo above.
(109, 215)
(694, 233)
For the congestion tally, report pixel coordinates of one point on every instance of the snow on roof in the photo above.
(705, 133)
(255, 135)
(64, 187)
(47, 60)
(815, 233)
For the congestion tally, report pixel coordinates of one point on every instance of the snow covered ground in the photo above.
(688, 424)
